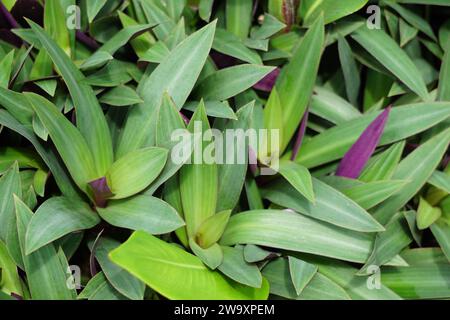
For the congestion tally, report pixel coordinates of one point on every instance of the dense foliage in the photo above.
(349, 200)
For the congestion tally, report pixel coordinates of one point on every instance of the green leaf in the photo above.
(227, 43)
(217, 109)
(441, 231)
(235, 267)
(299, 177)
(229, 82)
(119, 278)
(211, 230)
(254, 253)
(270, 27)
(383, 166)
(393, 58)
(112, 45)
(71, 145)
(205, 9)
(140, 43)
(55, 218)
(273, 122)
(370, 194)
(46, 277)
(417, 167)
(280, 229)
(121, 96)
(181, 275)
(330, 206)
(332, 10)
(9, 185)
(198, 206)
(440, 180)
(55, 25)
(319, 288)
(350, 71)
(10, 281)
(403, 122)
(176, 75)
(239, 17)
(427, 214)
(90, 118)
(113, 74)
(5, 69)
(135, 171)
(142, 213)
(301, 273)
(212, 256)
(98, 288)
(389, 243)
(297, 79)
(93, 8)
(418, 282)
(17, 105)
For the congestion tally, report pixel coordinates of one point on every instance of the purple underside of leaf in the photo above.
(356, 158)
(8, 16)
(300, 135)
(86, 40)
(223, 61)
(100, 191)
(268, 82)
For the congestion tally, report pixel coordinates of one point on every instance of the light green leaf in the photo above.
(211, 230)
(227, 43)
(55, 218)
(121, 96)
(427, 214)
(135, 171)
(180, 275)
(417, 167)
(142, 212)
(239, 17)
(229, 82)
(441, 231)
(332, 10)
(235, 267)
(176, 75)
(280, 229)
(98, 288)
(390, 55)
(5, 69)
(299, 177)
(330, 206)
(301, 273)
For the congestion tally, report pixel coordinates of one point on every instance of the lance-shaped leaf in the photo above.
(254, 253)
(418, 282)
(332, 10)
(356, 158)
(417, 167)
(300, 136)
(17, 105)
(299, 177)
(199, 179)
(441, 231)
(330, 206)
(115, 43)
(98, 288)
(229, 82)
(426, 214)
(5, 69)
(180, 275)
(171, 133)
(301, 273)
(11, 282)
(403, 122)
(293, 231)
(235, 267)
(93, 8)
(9, 185)
(267, 83)
(393, 58)
(142, 212)
(121, 96)
(383, 166)
(46, 276)
(239, 17)
(297, 79)
(177, 75)
(212, 229)
(229, 44)
(47, 154)
(212, 256)
(90, 118)
(320, 287)
(54, 219)
(71, 145)
(135, 171)
(119, 278)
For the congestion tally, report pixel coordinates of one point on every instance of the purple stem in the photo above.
(8, 16)
(86, 40)
(300, 135)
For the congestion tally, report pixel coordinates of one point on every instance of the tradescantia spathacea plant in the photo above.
(101, 106)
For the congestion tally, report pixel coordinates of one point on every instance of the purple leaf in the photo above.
(300, 135)
(356, 158)
(86, 40)
(268, 82)
(100, 191)
(8, 16)
(223, 61)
